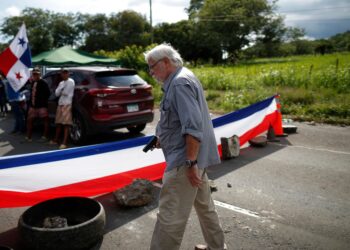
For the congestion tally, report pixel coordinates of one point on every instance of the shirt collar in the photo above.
(169, 79)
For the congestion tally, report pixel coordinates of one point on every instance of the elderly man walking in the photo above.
(186, 136)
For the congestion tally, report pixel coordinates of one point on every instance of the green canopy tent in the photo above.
(67, 56)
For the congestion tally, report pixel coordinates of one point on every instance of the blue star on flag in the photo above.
(21, 41)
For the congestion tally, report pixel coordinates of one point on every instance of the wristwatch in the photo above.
(190, 163)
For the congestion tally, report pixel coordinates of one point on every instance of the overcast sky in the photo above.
(320, 18)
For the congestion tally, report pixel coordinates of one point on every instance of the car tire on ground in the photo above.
(136, 128)
(74, 223)
(77, 132)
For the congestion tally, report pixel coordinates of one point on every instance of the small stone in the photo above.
(229, 185)
(138, 193)
(259, 141)
(55, 222)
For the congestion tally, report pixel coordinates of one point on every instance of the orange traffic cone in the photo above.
(277, 126)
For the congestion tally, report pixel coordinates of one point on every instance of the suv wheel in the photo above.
(78, 132)
(137, 128)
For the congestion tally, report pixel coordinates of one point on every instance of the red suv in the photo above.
(105, 98)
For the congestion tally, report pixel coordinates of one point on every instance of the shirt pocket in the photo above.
(165, 113)
(164, 118)
(165, 105)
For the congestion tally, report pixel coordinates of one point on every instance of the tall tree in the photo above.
(293, 34)
(233, 22)
(63, 29)
(131, 27)
(341, 41)
(38, 29)
(45, 29)
(96, 30)
(187, 36)
(115, 32)
(271, 36)
(195, 6)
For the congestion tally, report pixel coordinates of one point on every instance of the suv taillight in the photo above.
(102, 92)
(149, 89)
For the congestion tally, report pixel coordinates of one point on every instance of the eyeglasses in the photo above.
(150, 67)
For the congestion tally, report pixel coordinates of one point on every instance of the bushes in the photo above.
(327, 110)
(338, 79)
(297, 96)
(311, 87)
(129, 57)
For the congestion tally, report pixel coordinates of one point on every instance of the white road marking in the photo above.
(317, 149)
(224, 205)
(236, 209)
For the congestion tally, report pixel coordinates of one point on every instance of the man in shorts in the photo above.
(38, 105)
(65, 92)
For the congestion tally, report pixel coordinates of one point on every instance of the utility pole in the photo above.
(150, 19)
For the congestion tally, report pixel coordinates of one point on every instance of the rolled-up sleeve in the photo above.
(188, 110)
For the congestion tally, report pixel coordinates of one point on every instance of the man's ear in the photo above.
(168, 64)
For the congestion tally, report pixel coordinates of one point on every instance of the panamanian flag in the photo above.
(16, 60)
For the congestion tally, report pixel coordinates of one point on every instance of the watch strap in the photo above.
(190, 163)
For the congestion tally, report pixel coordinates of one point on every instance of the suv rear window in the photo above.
(116, 79)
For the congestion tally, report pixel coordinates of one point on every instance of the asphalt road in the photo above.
(292, 194)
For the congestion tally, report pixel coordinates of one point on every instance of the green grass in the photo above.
(312, 87)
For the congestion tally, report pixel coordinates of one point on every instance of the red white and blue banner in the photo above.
(98, 169)
(16, 60)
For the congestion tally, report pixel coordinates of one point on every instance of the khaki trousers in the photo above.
(176, 199)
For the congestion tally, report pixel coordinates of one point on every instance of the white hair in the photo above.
(164, 51)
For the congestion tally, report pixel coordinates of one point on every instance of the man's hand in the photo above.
(158, 143)
(193, 176)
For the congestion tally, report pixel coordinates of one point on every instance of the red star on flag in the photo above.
(18, 75)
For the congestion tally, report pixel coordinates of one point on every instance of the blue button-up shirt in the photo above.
(184, 110)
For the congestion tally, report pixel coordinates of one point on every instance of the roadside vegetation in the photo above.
(242, 51)
(312, 88)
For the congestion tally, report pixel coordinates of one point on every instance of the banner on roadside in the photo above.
(93, 170)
